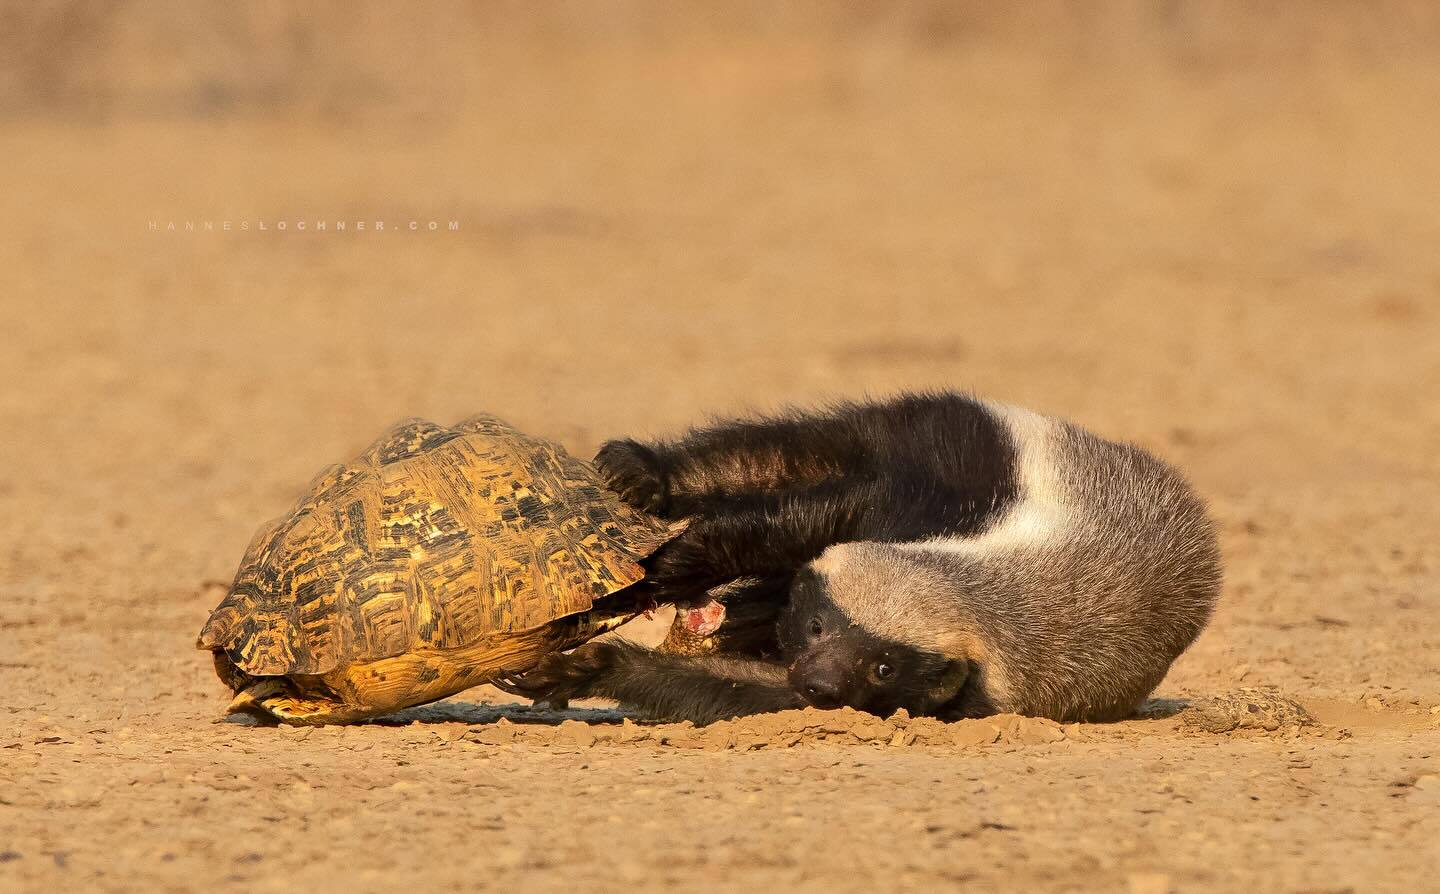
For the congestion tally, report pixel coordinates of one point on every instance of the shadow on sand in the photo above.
(474, 714)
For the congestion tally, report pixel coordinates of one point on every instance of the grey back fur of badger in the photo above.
(1074, 602)
(951, 556)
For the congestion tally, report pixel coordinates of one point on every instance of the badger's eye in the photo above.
(816, 628)
(884, 671)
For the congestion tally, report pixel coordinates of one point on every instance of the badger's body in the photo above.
(934, 552)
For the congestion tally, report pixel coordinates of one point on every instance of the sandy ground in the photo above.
(1214, 236)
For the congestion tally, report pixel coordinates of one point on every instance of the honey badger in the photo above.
(933, 552)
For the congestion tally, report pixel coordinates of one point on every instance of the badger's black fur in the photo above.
(767, 496)
(933, 552)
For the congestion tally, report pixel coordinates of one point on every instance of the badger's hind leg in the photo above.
(941, 437)
(659, 686)
(708, 468)
(770, 536)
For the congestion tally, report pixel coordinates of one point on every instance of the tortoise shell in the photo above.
(434, 561)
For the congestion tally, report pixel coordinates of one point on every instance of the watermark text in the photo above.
(302, 225)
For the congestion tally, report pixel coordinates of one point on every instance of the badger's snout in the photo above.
(821, 679)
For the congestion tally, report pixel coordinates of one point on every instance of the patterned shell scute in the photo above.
(431, 538)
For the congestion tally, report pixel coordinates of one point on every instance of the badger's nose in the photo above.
(820, 682)
(822, 694)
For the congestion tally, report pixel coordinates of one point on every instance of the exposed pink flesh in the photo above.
(706, 619)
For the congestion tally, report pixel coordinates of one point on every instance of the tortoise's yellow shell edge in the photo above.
(425, 553)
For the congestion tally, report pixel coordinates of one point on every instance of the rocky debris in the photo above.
(1252, 708)
(1246, 711)
(783, 729)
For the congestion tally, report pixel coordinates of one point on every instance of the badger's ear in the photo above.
(948, 687)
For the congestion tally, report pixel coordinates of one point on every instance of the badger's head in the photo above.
(869, 627)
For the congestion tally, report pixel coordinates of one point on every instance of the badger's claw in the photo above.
(636, 473)
(561, 677)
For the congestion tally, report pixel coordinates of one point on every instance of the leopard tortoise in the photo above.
(437, 560)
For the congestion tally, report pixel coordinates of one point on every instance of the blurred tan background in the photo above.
(1207, 227)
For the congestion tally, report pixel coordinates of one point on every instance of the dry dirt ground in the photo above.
(1209, 230)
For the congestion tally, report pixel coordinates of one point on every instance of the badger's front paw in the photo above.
(636, 473)
(559, 677)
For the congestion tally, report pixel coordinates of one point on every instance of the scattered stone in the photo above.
(870, 730)
(833, 722)
(1245, 709)
(1261, 710)
(451, 733)
(1007, 724)
(630, 731)
(969, 733)
(687, 738)
(720, 736)
(1037, 731)
(501, 732)
(746, 740)
(929, 731)
(576, 732)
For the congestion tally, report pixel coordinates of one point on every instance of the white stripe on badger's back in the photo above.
(1041, 512)
(1075, 601)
